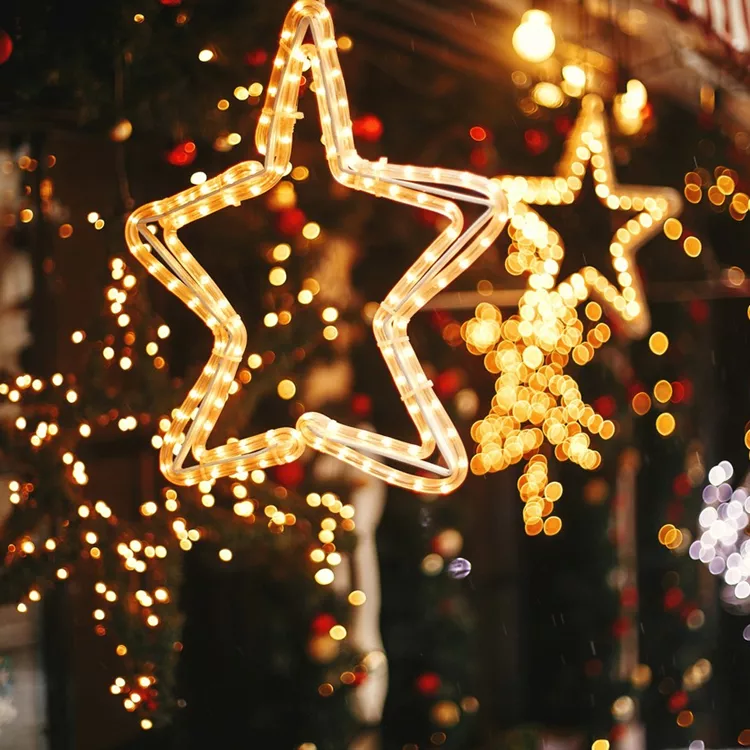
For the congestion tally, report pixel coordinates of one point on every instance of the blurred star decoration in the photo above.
(535, 400)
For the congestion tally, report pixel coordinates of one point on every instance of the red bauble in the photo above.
(688, 391)
(256, 57)
(673, 598)
(290, 475)
(699, 310)
(322, 623)
(447, 383)
(170, 2)
(617, 732)
(361, 405)
(678, 392)
(479, 157)
(182, 154)
(678, 700)
(605, 405)
(621, 627)
(681, 485)
(6, 46)
(428, 683)
(428, 218)
(292, 221)
(368, 128)
(563, 125)
(536, 141)
(629, 596)
(634, 388)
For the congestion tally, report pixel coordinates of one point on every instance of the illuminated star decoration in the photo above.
(535, 399)
(454, 250)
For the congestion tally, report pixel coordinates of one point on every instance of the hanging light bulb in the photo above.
(548, 95)
(628, 107)
(574, 80)
(534, 39)
(636, 95)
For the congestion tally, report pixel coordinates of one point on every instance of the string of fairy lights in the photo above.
(98, 534)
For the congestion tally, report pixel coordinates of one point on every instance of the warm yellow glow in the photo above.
(357, 598)
(534, 39)
(287, 389)
(663, 391)
(665, 424)
(206, 55)
(548, 95)
(324, 576)
(338, 632)
(692, 246)
(658, 343)
(311, 231)
(225, 555)
(673, 229)
(277, 276)
(330, 314)
(641, 403)
(575, 76)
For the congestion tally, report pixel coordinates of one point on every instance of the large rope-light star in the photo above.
(454, 250)
(535, 399)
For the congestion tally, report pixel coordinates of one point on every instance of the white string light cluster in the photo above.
(454, 250)
(724, 545)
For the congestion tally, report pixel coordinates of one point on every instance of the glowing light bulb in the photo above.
(534, 39)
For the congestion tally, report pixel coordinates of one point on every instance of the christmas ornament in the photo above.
(428, 683)
(292, 221)
(536, 400)
(368, 128)
(6, 46)
(455, 249)
(182, 154)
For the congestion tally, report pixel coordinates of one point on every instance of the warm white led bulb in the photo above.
(534, 39)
